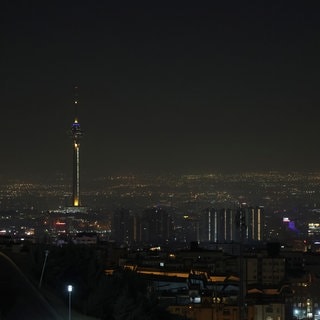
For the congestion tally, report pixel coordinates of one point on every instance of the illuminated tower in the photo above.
(76, 135)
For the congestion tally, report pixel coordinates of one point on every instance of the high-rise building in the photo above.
(124, 226)
(218, 226)
(76, 135)
(223, 226)
(156, 226)
(152, 226)
(254, 224)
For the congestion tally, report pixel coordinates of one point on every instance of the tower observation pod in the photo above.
(76, 136)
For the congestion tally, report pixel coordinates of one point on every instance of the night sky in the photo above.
(173, 87)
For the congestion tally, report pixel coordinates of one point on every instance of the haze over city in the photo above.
(192, 87)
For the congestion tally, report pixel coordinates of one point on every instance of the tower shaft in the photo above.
(76, 135)
(76, 174)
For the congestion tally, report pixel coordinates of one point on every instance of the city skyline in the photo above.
(192, 88)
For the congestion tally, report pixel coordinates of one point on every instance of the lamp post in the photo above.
(44, 265)
(70, 291)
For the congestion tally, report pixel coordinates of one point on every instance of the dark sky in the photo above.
(179, 87)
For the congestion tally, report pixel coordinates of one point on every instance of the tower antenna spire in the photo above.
(75, 101)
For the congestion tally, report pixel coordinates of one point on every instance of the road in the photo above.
(21, 300)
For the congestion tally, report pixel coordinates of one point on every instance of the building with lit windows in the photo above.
(314, 230)
(223, 226)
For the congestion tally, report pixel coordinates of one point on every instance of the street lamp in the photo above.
(70, 291)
